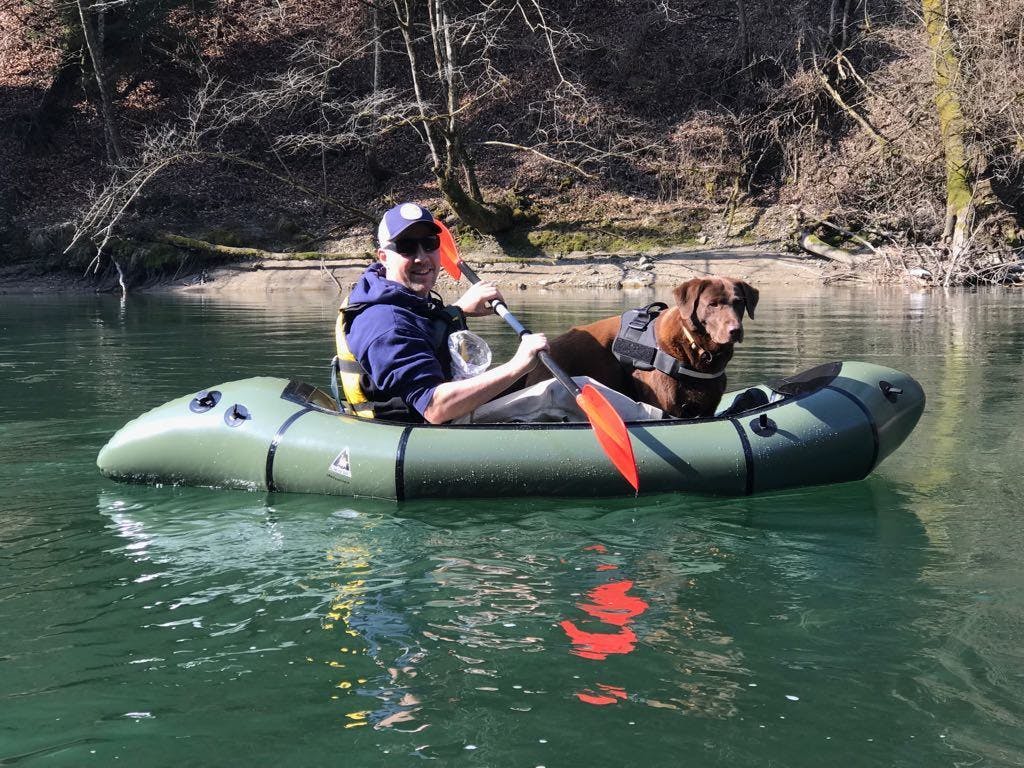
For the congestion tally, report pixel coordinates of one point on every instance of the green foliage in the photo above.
(524, 208)
(554, 238)
(223, 236)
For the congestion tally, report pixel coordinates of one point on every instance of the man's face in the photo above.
(418, 270)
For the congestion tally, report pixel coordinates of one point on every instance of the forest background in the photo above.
(145, 136)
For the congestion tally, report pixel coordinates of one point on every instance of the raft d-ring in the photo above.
(204, 401)
(236, 414)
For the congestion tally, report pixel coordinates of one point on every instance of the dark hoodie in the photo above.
(392, 339)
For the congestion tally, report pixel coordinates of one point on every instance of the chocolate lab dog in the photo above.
(683, 372)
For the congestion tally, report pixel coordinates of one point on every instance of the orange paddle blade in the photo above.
(449, 253)
(611, 433)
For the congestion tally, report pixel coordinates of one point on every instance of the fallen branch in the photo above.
(814, 244)
(843, 231)
(193, 244)
(829, 279)
(325, 271)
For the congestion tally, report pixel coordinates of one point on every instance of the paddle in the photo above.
(611, 432)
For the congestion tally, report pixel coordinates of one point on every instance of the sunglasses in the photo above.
(407, 245)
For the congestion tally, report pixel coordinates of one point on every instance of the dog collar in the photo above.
(703, 354)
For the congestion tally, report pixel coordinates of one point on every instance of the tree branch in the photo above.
(537, 152)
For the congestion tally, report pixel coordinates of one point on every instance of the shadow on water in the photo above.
(231, 528)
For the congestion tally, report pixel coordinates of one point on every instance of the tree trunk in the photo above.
(839, 15)
(814, 244)
(378, 172)
(444, 140)
(404, 10)
(216, 249)
(106, 103)
(960, 200)
(487, 218)
(743, 34)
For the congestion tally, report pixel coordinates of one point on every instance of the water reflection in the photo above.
(402, 620)
(366, 624)
(612, 610)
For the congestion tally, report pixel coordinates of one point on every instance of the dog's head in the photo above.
(715, 306)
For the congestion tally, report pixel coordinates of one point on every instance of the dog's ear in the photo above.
(750, 295)
(686, 295)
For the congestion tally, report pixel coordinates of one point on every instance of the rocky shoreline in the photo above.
(576, 271)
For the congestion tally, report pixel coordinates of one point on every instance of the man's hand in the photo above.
(525, 358)
(477, 300)
(453, 399)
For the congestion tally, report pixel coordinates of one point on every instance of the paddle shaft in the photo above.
(606, 422)
(506, 314)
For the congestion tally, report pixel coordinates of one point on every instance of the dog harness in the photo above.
(636, 346)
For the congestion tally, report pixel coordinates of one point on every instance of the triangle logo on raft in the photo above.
(341, 467)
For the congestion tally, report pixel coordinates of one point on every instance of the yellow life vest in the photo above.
(349, 371)
(353, 395)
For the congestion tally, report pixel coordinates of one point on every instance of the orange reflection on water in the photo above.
(599, 645)
(608, 605)
(610, 694)
(612, 605)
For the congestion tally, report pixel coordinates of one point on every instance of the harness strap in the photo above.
(334, 381)
(636, 345)
(348, 366)
(665, 363)
(337, 367)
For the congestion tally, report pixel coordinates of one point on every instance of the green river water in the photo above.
(877, 623)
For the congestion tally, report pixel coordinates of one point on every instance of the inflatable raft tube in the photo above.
(831, 424)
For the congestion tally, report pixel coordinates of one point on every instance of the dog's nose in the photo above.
(736, 333)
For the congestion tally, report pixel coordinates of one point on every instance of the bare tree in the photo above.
(440, 122)
(450, 57)
(94, 44)
(193, 141)
(960, 197)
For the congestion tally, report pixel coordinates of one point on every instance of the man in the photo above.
(397, 331)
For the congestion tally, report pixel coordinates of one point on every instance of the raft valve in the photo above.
(891, 392)
(204, 401)
(763, 426)
(236, 414)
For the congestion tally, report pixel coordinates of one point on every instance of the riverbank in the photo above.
(574, 271)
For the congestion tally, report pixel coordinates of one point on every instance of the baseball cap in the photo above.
(400, 218)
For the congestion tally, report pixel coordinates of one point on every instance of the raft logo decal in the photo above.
(341, 467)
